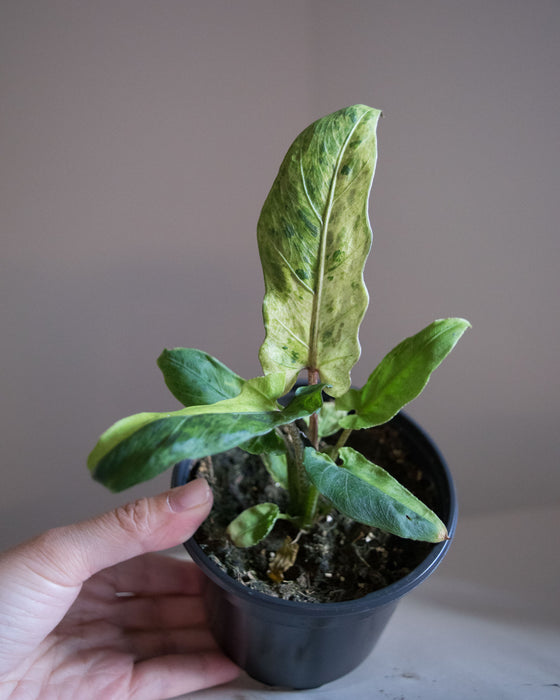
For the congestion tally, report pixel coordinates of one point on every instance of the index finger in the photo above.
(151, 574)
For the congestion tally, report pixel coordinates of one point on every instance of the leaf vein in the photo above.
(291, 332)
(350, 182)
(304, 183)
(291, 269)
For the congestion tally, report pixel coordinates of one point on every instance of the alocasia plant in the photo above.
(314, 237)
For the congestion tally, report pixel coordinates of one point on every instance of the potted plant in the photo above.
(313, 446)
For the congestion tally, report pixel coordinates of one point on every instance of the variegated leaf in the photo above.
(314, 237)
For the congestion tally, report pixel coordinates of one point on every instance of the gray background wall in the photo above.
(138, 141)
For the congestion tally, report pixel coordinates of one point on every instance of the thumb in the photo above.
(42, 577)
(69, 555)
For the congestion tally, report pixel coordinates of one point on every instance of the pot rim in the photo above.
(378, 598)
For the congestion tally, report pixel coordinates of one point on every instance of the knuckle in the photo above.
(135, 518)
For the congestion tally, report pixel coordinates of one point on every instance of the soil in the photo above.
(338, 559)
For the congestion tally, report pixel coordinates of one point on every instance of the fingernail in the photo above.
(195, 493)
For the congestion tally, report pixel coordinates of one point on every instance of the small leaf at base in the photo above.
(253, 524)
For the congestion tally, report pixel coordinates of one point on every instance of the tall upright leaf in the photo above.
(314, 237)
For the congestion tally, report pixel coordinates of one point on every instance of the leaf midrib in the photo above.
(317, 299)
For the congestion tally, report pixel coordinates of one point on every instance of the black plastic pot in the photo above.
(304, 645)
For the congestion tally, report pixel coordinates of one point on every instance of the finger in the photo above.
(171, 676)
(149, 644)
(69, 555)
(137, 645)
(161, 612)
(154, 574)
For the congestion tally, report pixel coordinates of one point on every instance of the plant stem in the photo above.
(314, 430)
(297, 478)
(310, 510)
(313, 378)
(303, 494)
(312, 494)
(343, 437)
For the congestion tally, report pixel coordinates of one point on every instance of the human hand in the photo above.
(66, 633)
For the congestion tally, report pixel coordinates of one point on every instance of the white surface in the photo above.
(486, 625)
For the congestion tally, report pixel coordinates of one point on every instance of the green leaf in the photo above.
(329, 419)
(262, 392)
(314, 237)
(277, 466)
(271, 443)
(253, 524)
(196, 378)
(250, 400)
(139, 447)
(401, 375)
(370, 495)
